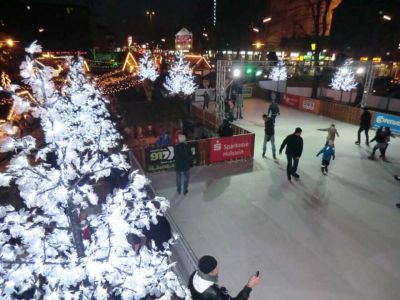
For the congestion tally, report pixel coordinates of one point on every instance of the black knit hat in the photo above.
(297, 130)
(207, 263)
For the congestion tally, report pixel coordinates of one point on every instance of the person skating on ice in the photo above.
(332, 133)
(294, 148)
(269, 135)
(328, 153)
(380, 139)
(365, 125)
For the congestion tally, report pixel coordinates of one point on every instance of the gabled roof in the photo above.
(183, 31)
(197, 62)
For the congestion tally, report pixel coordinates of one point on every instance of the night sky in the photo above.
(124, 17)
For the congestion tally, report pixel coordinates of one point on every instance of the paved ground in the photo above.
(332, 237)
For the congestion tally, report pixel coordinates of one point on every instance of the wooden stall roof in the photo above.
(197, 62)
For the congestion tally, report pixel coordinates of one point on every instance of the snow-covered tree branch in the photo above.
(43, 249)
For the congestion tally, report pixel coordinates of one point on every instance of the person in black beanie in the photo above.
(294, 148)
(203, 282)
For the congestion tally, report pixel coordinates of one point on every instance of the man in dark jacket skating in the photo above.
(365, 125)
(294, 148)
(269, 135)
(183, 163)
(203, 282)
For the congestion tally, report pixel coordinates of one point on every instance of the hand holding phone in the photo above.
(254, 280)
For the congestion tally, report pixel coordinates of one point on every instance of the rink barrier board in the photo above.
(203, 150)
(344, 113)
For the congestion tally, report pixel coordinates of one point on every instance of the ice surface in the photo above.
(332, 237)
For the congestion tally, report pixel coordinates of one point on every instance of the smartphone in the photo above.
(257, 273)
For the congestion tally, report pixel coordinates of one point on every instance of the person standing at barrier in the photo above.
(332, 133)
(273, 110)
(206, 99)
(183, 163)
(269, 135)
(239, 101)
(203, 282)
(365, 125)
(225, 129)
(294, 148)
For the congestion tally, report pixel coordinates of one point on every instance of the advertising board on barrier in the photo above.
(384, 120)
(231, 148)
(290, 100)
(163, 157)
(310, 105)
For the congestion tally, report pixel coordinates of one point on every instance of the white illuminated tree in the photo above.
(147, 69)
(180, 79)
(42, 249)
(344, 79)
(279, 72)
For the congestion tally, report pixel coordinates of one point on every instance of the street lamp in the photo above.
(258, 45)
(10, 42)
(255, 29)
(267, 20)
(236, 73)
(386, 17)
(150, 14)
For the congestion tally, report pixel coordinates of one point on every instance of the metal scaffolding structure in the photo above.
(225, 77)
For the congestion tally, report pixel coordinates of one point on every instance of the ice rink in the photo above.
(334, 237)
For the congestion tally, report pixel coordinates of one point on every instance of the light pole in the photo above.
(150, 14)
(8, 42)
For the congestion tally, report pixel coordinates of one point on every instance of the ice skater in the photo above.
(294, 148)
(328, 153)
(269, 135)
(388, 135)
(332, 133)
(365, 125)
(273, 110)
(380, 139)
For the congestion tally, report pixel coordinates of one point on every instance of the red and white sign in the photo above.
(231, 148)
(183, 40)
(291, 100)
(310, 105)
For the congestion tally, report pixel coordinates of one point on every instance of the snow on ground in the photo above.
(332, 237)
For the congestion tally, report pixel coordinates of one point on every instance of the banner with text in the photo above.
(384, 120)
(163, 158)
(290, 100)
(310, 105)
(231, 148)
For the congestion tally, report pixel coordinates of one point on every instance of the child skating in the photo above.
(328, 152)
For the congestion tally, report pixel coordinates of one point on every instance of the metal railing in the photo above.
(182, 254)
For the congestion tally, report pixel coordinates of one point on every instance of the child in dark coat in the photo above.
(328, 152)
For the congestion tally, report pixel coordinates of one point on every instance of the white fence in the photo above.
(383, 103)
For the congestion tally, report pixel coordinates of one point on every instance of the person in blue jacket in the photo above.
(328, 153)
